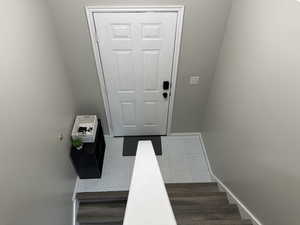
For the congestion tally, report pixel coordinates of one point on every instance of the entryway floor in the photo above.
(182, 161)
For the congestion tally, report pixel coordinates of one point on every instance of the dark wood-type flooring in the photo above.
(193, 204)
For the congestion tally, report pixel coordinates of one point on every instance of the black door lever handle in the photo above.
(165, 94)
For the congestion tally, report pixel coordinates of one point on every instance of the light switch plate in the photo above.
(194, 80)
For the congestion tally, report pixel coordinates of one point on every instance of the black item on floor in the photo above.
(130, 144)
(88, 161)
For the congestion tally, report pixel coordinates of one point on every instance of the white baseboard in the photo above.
(205, 155)
(185, 134)
(245, 212)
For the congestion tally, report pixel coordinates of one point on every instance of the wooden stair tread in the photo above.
(101, 208)
(187, 209)
(103, 221)
(204, 198)
(107, 223)
(204, 215)
(115, 212)
(204, 222)
(102, 196)
(199, 194)
(192, 187)
(101, 212)
(192, 203)
(216, 222)
(185, 188)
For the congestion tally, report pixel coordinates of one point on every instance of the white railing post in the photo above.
(148, 201)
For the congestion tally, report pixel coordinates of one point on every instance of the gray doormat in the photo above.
(130, 144)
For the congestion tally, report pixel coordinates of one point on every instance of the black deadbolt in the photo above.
(165, 94)
(166, 85)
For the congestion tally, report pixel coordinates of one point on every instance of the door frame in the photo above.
(179, 9)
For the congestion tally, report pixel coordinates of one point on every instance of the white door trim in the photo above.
(179, 9)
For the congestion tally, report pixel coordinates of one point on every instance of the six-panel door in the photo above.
(136, 51)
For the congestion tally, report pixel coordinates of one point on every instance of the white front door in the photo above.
(136, 51)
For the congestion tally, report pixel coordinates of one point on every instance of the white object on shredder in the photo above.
(85, 128)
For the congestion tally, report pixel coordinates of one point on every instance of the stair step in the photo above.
(109, 212)
(112, 196)
(204, 222)
(200, 214)
(114, 212)
(208, 222)
(112, 223)
(215, 222)
(200, 197)
(192, 203)
(192, 187)
(99, 221)
(199, 209)
(188, 189)
(199, 202)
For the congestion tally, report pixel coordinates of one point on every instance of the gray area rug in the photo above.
(130, 144)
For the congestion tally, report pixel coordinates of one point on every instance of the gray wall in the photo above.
(36, 104)
(252, 123)
(203, 32)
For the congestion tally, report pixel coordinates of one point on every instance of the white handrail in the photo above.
(148, 202)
